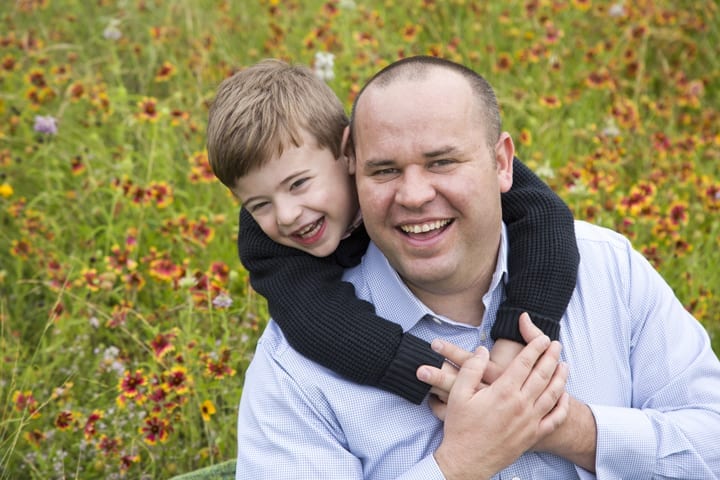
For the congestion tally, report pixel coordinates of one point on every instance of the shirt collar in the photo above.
(353, 225)
(394, 300)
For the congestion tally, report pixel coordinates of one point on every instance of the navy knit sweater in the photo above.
(323, 319)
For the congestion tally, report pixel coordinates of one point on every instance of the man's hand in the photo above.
(487, 427)
(443, 379)
(574, 438)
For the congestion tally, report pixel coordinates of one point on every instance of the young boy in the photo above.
(275, 135)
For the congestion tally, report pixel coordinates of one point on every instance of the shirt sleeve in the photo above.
(323, 319)
(284, 431)
(543, 259)
(671, 431)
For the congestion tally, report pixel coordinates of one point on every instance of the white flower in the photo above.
(111, 353)
(611, 130)
(617, 10)
(324, 64)
(223, 300)
(112, 32)
(545, 171)
(188, 281)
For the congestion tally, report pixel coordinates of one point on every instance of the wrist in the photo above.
(451, 465)
(575, 439)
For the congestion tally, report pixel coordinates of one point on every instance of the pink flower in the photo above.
(46, 124)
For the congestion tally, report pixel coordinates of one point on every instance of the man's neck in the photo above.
(462, 301)
(463, 304)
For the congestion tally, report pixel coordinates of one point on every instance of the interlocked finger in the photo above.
(549, 398)
(542, 372)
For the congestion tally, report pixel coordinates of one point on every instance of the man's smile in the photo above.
(425, 227)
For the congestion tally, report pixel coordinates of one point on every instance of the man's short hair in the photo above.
(418, 67)
(260, 111)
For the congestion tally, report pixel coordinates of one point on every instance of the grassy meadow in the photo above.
(126, 319)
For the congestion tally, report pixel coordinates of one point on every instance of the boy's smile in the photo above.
(303, 198)
(310, 233)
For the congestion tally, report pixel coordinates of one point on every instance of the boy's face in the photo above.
(303, 199)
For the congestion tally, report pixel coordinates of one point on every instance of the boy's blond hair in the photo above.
(262, 110)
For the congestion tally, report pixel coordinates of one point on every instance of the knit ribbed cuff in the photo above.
(400, 378)
(507, 324)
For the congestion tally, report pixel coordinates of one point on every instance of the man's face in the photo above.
(428, 183)
(302, 199)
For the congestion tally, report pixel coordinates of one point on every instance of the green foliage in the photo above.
(120, 354)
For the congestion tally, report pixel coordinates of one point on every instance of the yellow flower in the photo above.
(525, 137)
(207, 410)
(6, 190)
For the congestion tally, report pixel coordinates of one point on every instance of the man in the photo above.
(643, 398)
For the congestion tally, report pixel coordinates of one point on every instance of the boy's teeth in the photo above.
(425, 227)
(310, 229)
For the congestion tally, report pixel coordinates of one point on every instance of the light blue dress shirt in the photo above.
(637, 358)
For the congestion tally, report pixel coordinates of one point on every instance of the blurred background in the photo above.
(126, 319)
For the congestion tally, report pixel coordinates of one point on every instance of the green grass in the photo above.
(115, 240)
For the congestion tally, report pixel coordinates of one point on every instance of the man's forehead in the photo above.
(437, 84)
(414, 102)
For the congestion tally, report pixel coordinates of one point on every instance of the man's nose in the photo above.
(415, 188)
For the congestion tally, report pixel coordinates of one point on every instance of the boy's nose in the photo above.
(287, 213)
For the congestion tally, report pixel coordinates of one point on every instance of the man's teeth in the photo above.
(425, 227)
(310, 230)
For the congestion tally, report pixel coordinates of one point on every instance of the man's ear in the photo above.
(347, 151)
(504, 155)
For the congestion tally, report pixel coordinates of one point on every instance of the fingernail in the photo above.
(437, 345)
(423, 375)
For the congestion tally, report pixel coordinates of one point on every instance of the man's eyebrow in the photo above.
(440, 152)
(380, 163)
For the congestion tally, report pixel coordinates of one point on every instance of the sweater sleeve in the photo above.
(543, 259)
(322, 318)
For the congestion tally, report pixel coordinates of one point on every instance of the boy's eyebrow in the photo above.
(292, 176)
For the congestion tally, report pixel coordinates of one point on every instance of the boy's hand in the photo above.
(501, 354)
(442, 380)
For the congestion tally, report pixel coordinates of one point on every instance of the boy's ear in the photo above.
(346, 150)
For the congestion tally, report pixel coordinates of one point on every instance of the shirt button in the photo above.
(483, 337)
(516, 478)
(437, 320)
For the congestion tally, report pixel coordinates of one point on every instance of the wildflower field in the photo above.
(126, 319)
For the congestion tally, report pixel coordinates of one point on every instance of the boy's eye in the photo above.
(298, 183)
(257, 206)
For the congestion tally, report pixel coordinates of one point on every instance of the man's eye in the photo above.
(385, 171)
(442, 163)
